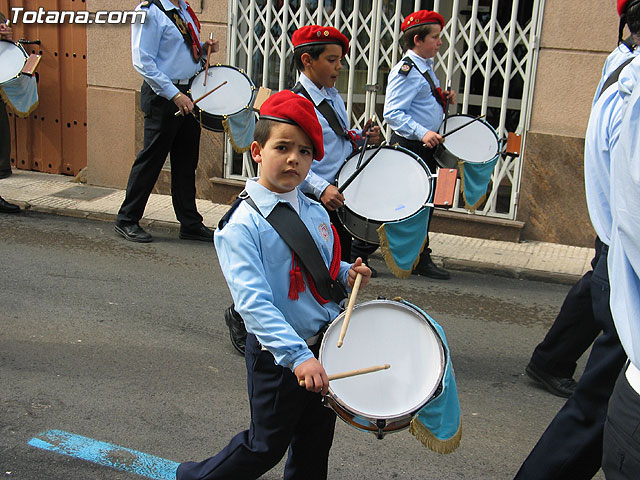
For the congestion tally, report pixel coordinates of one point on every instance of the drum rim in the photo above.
(416, 312)
(24, 53)
(443, 146)
(243, 73)
(416, 157)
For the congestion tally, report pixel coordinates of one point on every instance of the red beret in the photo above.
(319, 35)
(422, 17)
(288, 107)
(622, 4)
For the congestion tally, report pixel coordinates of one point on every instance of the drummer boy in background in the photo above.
(317, 56)
(414, 103)
(283, 339)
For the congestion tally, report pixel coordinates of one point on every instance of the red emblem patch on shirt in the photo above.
(324, 231)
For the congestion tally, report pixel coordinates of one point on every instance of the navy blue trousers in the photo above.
(621, 455)
(284, 416)
(164, 134)
(574, 329)
(571, 446)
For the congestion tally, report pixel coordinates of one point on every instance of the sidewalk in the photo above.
(60, 195)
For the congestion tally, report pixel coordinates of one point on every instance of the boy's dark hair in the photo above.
(262, 130)
(406, 40)
(633, 18)
(314, 50)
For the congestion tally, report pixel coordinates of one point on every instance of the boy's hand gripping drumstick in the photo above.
(347, 315)
(353, 373)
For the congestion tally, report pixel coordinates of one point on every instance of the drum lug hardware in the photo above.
(381, 297)
(381, 424)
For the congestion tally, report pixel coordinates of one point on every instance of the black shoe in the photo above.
(133, 233)
(6, 207)
(431, 270)
(201, 233)
(237, 330)
(5, 173)
(560, 386)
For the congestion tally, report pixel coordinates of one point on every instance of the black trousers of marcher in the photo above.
(426, 154)
(571, 446)
(5, 139)
(621, 451)
(574, 329)
(284, 416)
(164, 134)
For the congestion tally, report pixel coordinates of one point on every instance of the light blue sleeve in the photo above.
(145, 45)
(401, 91)
(314, 184)
(243, 269)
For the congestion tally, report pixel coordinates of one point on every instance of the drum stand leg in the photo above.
(381, 424)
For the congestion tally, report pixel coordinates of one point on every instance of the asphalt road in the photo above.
(125, 343)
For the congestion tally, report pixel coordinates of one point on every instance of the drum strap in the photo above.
(328, 113)
(436, 91)
(293, 231)
(613, 78)
(185, 28)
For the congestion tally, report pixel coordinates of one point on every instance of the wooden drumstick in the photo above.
(202, 97)
(353, 373)
(206, 69)
(462, 126)
(347, 315)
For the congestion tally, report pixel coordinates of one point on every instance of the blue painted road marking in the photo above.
(106, 454)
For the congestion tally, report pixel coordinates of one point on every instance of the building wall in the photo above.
(575, 41)
(115, 121)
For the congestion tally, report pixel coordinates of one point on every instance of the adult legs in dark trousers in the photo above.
(283, 416)
(425, 267)
(621, 444)
(554, 360)
(164, 133)
(571, 446)
(5, 142)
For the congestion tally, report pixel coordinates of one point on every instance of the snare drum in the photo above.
(234, 97)
(12, 60)
(379, 332)
(476, 143)
(393, 186)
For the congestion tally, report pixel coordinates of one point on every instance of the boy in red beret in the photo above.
(317, 55)
(414, 102)
(282, 308)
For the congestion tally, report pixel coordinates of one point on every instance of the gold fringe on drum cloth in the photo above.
(8, 102)
(388, 256)
(474, 207)
(433, 443)
(227, 129)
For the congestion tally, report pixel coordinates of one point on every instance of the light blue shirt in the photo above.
(624, 254)
(159, 52)
(410, 108)
(336, 149)
(600, 141)
(616, 58)
(256, 263)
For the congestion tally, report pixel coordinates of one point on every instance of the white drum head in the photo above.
(231, 98)
(393, 186)
(12, 60)
(475, 143)
(382, 332)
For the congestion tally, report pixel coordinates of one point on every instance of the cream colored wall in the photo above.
(575, 41)
(114, 123)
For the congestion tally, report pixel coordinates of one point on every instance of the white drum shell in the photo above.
(393, 186)
(380, 332)
(12, 60)
(476, 143)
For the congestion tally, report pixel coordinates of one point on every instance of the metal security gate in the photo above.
(489, 55)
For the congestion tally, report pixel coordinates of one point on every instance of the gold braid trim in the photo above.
(471, 208)
(433, 443)
(227, 130)
(388, 256)
(6, 100)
